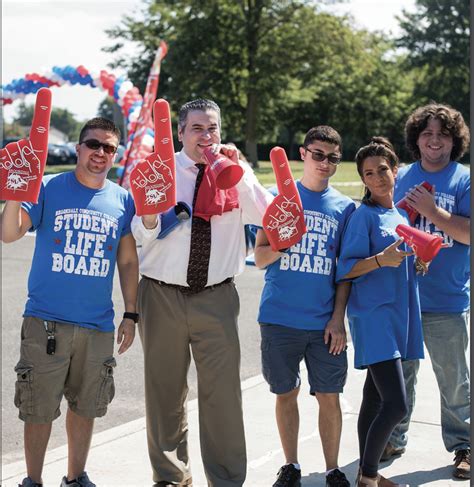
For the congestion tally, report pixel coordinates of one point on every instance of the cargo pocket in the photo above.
(107, 386)
(24, 388)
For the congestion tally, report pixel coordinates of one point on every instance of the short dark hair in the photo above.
(378, 146)
(450, 119)
(323, 133)
(100, 123)
(200, 104)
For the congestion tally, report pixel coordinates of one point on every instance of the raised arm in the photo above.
(264, 255)
(14, 222)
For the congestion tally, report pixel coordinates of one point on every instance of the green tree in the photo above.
(61, 118)
(109, 109)
(436, 38)
(238, 53)
(276, 68)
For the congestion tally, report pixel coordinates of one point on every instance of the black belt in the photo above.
(188, 290)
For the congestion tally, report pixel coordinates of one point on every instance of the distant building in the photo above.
(56, 136)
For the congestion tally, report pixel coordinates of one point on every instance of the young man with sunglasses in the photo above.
(302, 310)
(82, 223)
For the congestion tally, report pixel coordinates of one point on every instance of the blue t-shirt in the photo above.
(300, 286)
(445, 288)
(383, 309)
(78, 230)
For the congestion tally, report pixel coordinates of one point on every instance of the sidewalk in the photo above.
(119, 457)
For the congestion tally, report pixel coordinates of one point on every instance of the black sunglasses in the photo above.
(94, 144)
(319, 156)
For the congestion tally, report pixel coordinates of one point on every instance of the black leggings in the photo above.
(384, 405)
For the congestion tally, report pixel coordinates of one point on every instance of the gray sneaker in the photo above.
(81, 481)
(27, 482)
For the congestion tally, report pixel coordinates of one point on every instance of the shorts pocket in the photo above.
(24, 388)
(107, 386)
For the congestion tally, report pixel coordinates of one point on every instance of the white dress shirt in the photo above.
(167, 259)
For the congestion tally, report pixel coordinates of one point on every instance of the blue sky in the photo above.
(39, 34)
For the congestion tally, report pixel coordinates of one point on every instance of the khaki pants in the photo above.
(169, 323)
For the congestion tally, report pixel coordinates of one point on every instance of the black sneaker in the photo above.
(288, 476)
(336, 478)
(27, 482)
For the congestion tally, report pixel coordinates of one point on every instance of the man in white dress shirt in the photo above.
(180, 313)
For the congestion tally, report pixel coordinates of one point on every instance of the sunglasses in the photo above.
(94, 144)
(319, 156)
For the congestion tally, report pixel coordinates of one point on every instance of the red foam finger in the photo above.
(40, 126)
(21, 172)
(153, 186)
(283, 222)
(163, 131)
(281, 168)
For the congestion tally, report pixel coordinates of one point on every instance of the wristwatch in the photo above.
(131, 316)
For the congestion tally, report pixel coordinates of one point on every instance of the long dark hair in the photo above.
(378, 146)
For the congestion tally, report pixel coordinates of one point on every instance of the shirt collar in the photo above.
(185, 161)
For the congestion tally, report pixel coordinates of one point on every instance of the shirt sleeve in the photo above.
(35, 210)
(464, 204)
(355, 246)
(253, 197)
(141, 234)
(129, 213)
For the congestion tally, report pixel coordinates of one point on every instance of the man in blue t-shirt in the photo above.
(438, 136)
(302, 309)
(82, 224)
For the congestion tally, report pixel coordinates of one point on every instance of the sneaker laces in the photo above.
(286, 472)
(462, 456)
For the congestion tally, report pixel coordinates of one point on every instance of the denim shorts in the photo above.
(283, 348)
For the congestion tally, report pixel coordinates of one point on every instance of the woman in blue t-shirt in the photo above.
(383, 308)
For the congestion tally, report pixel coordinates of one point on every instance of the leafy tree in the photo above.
(61, 118)
(276, 68)
(238, 53)
(437, 38)
(109, 109)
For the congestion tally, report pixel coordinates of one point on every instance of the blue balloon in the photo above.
(117, 85)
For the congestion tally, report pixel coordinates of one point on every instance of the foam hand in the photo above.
(412, 213)
(152, 180)
(22, 163)
(283, 221)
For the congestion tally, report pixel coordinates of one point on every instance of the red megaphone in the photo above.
(425, 245)
(403, 204)
(226, 173)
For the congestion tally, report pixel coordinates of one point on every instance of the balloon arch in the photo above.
(122, 90)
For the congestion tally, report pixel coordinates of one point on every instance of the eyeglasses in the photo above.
(319, 156)
(94, 144)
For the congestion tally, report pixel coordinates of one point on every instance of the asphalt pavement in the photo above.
(118, 456)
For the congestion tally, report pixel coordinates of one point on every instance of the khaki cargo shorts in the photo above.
(82, 369)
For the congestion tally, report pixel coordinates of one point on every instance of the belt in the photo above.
(187, 289)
